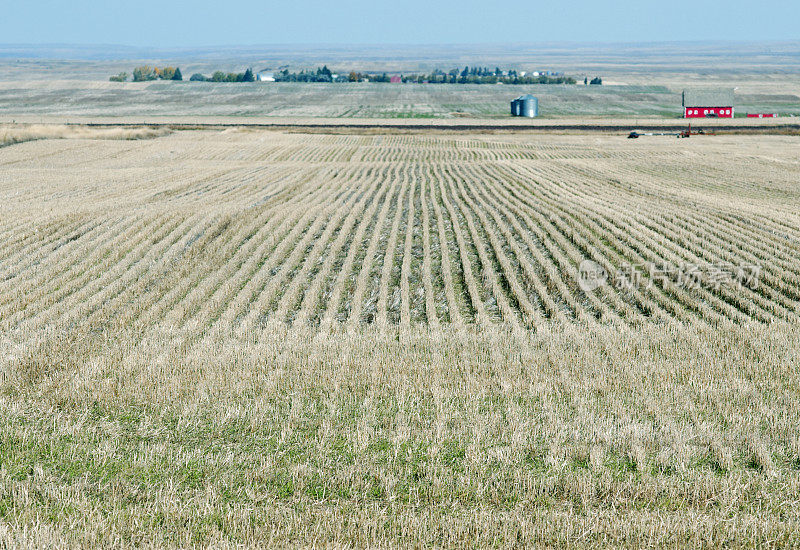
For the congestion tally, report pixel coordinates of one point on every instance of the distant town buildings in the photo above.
(265, 77)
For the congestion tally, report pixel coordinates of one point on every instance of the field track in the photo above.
(467, 125)
(486, 127)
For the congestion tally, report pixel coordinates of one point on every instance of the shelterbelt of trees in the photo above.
(146, 73)
(467, 75)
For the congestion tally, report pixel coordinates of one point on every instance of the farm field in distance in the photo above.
(200, 100)
(244, 337)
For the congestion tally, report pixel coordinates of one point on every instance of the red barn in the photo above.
(708, 103)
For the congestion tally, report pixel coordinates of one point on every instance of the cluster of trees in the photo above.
(483, 75)
(474, 75)
(467, 75)
(322, 74)
(596, 81)
(219, 76)
(146, 72)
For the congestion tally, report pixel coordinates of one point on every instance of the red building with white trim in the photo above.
(708, 104)
(708, 112)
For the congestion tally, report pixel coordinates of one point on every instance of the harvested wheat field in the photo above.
(241, 338)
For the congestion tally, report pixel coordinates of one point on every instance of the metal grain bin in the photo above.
(528, 106)
(515, 107)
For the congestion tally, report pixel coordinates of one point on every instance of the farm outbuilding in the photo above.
(717, 103)
(525, 105)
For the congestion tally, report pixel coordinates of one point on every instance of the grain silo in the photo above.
(528, 106)
(515, 107)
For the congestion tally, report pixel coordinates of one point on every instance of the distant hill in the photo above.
(752, 57)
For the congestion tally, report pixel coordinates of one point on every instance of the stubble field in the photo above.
(247, 337)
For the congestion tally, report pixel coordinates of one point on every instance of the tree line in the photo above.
(467, 75)
(219, 76)
(147, 73)
(473, 75)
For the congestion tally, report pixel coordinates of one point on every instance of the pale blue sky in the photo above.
(180, 23)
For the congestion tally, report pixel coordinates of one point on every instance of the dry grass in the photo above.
(406, 437)
(253, 338)
(11, 134)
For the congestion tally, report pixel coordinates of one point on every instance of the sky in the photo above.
(181, 23)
